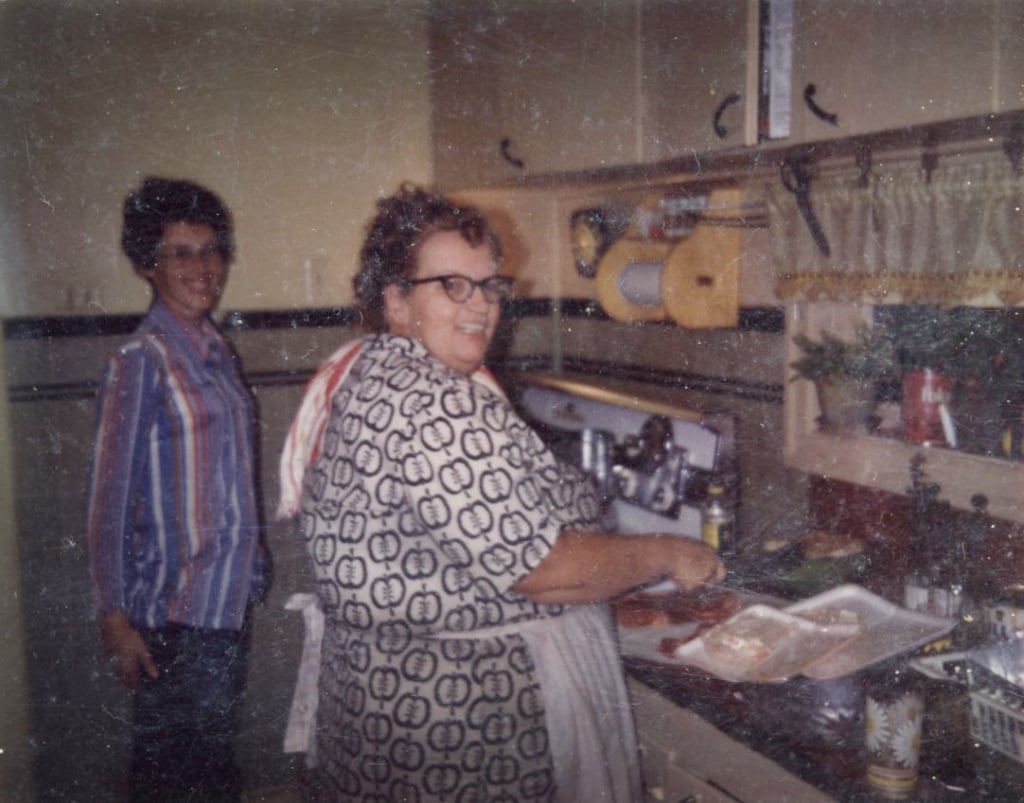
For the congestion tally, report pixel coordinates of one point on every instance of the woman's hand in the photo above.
(695, 564)
(587, 567)
(125, 649)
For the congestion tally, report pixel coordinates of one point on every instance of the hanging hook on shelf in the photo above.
(929, 160)
(1013, 146)
(863, 163)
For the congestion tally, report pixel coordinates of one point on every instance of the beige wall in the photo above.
(300, 114)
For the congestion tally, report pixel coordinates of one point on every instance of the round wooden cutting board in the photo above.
(700, 280)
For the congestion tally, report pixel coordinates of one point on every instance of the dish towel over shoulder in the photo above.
(302, 444)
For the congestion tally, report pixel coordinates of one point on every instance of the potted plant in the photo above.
(846, 375)
(986, 363)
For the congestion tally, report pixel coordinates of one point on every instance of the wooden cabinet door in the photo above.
(699, 72)
(884, 64)
(555, 82)
(1009, 55)
(469, 108)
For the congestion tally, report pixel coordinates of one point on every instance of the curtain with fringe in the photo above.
(903, 236)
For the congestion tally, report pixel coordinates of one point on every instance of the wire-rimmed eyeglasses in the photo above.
(459, 288)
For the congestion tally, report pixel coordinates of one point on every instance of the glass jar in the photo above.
(893, 715)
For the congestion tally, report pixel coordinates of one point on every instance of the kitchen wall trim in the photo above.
(757, 319)
(760, 319)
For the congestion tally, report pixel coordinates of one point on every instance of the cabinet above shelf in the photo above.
(539, 94)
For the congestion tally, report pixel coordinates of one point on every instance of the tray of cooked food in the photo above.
(737, 637)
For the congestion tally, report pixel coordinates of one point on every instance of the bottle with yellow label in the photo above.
(716, 522)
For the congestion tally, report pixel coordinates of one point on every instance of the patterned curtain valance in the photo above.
(954, 237)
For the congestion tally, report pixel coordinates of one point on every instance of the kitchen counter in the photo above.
(783, 723)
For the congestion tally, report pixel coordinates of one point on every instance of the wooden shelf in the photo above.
(878, 462)
(884, 463)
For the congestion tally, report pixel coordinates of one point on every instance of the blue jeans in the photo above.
(185, 722)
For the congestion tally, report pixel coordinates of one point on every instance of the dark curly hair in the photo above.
(160, 202)
(403, 223)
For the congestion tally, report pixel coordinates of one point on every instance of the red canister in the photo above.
(924, 392)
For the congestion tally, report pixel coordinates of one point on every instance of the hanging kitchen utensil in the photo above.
(591, 233)
(796, 177)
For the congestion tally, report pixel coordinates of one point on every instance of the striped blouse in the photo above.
(173, 527)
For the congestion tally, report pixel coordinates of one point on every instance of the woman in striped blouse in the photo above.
(173, 526)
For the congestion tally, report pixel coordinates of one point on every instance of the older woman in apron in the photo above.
(467, 649)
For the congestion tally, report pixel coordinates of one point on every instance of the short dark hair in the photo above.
(160, 202)
(403, 223)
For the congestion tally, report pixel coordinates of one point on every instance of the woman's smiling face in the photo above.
(190, 272)
(456, 334)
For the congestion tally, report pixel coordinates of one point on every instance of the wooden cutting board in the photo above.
(700, 282)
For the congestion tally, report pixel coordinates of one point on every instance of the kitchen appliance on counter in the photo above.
(652, 462)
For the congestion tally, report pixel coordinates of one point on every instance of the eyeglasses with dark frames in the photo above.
(459, 288)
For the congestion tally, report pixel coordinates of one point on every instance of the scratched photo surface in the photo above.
(683, 189)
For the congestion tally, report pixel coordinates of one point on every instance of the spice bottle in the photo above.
(716, 521)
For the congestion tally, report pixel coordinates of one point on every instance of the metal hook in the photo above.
(929, 161)
(864, 163)
(1013, 146)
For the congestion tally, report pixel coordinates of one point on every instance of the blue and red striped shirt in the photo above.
(173, 527)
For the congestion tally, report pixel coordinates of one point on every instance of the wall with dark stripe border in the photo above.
(237, 324)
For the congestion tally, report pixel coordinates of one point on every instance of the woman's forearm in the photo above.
(588, 567)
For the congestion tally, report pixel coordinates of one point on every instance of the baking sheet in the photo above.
(819, 651)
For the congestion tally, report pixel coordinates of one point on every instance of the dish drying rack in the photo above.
(995, 681)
